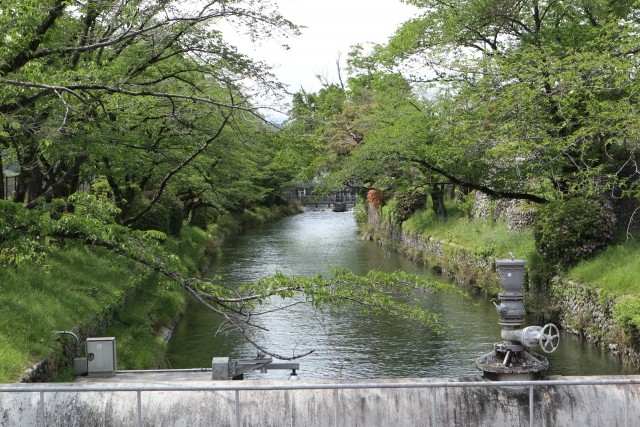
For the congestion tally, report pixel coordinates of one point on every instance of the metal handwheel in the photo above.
(549, 338)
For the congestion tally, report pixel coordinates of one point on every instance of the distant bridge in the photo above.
(336, 200)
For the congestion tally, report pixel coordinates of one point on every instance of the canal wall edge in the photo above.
(371, 403)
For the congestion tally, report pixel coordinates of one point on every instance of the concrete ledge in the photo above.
(588, 401)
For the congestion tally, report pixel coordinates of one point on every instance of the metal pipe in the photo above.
(159, 371)
(507, 358)
(72, 334)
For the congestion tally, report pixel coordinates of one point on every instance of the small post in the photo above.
(336, 407)
(220, 369)
(42, 415)
(238, 408)
(139, 409)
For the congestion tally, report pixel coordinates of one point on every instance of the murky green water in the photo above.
(349, 344)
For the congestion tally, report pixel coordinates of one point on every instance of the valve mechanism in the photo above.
(512, 358)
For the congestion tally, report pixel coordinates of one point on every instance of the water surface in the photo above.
(349, 344)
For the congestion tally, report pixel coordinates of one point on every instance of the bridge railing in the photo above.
(238, 388)
(305, 195)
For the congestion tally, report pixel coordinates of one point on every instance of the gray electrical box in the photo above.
(101, 357)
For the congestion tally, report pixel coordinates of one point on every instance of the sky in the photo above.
(331, 28)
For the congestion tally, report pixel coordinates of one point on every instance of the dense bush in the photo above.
(627, 315)
(202, 216)
(569, 230)
(166, 215)
(408, 204)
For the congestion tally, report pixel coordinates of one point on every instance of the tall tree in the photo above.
(144, 94)
(539, 97)
(71, 69)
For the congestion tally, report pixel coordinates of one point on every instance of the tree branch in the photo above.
(481, 188)
(165, 181)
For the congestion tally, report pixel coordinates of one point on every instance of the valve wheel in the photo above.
(549, 338)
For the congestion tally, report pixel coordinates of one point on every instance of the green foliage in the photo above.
(157, 304)
(193, 246)
(202, 216)
(152, 124)
(409, 203)
(627, 314)
(360, 213)
(255, 216)
(569, 230)
(540, 273)
(614, 269)
(166, 216)
(393, 293)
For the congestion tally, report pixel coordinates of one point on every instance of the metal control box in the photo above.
(101, 357)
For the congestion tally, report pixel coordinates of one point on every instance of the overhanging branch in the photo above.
(482, 188)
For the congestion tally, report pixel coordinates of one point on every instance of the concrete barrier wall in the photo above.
(553, 405)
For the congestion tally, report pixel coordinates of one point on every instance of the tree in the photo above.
(540, 97)
(129, 90)
(146, 98)
(73, 71)
(376, 136)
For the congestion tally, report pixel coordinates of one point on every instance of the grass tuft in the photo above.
(487, 238)
(614, 269)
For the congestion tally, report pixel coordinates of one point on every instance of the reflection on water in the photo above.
(348, 343)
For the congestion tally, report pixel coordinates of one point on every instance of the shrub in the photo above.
(408, 204)
(166, 215)
(567, 231)
(202, 216)
(627, 314)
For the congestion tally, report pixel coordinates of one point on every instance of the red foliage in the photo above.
(374, 197)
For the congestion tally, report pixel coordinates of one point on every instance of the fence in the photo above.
(597, 407)
(11, 181)
(9, 186)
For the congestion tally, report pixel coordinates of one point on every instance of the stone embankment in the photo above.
(578, 309)
(588, 312)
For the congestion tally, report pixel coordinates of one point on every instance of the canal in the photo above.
(349, 344)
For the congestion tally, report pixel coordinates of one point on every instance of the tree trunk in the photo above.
(437, 197)
(4, 184)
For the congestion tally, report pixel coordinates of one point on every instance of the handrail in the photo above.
(232, 386)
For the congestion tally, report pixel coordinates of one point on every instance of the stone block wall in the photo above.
(588, 312)
(517, 213)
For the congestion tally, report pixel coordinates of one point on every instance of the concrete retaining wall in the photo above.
(553, 405)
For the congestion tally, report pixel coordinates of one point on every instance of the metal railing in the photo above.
(11, 182)
(336, 387)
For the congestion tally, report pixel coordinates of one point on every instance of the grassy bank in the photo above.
(614, 269)
(78, 288)
(484, 237)
(88, 289)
